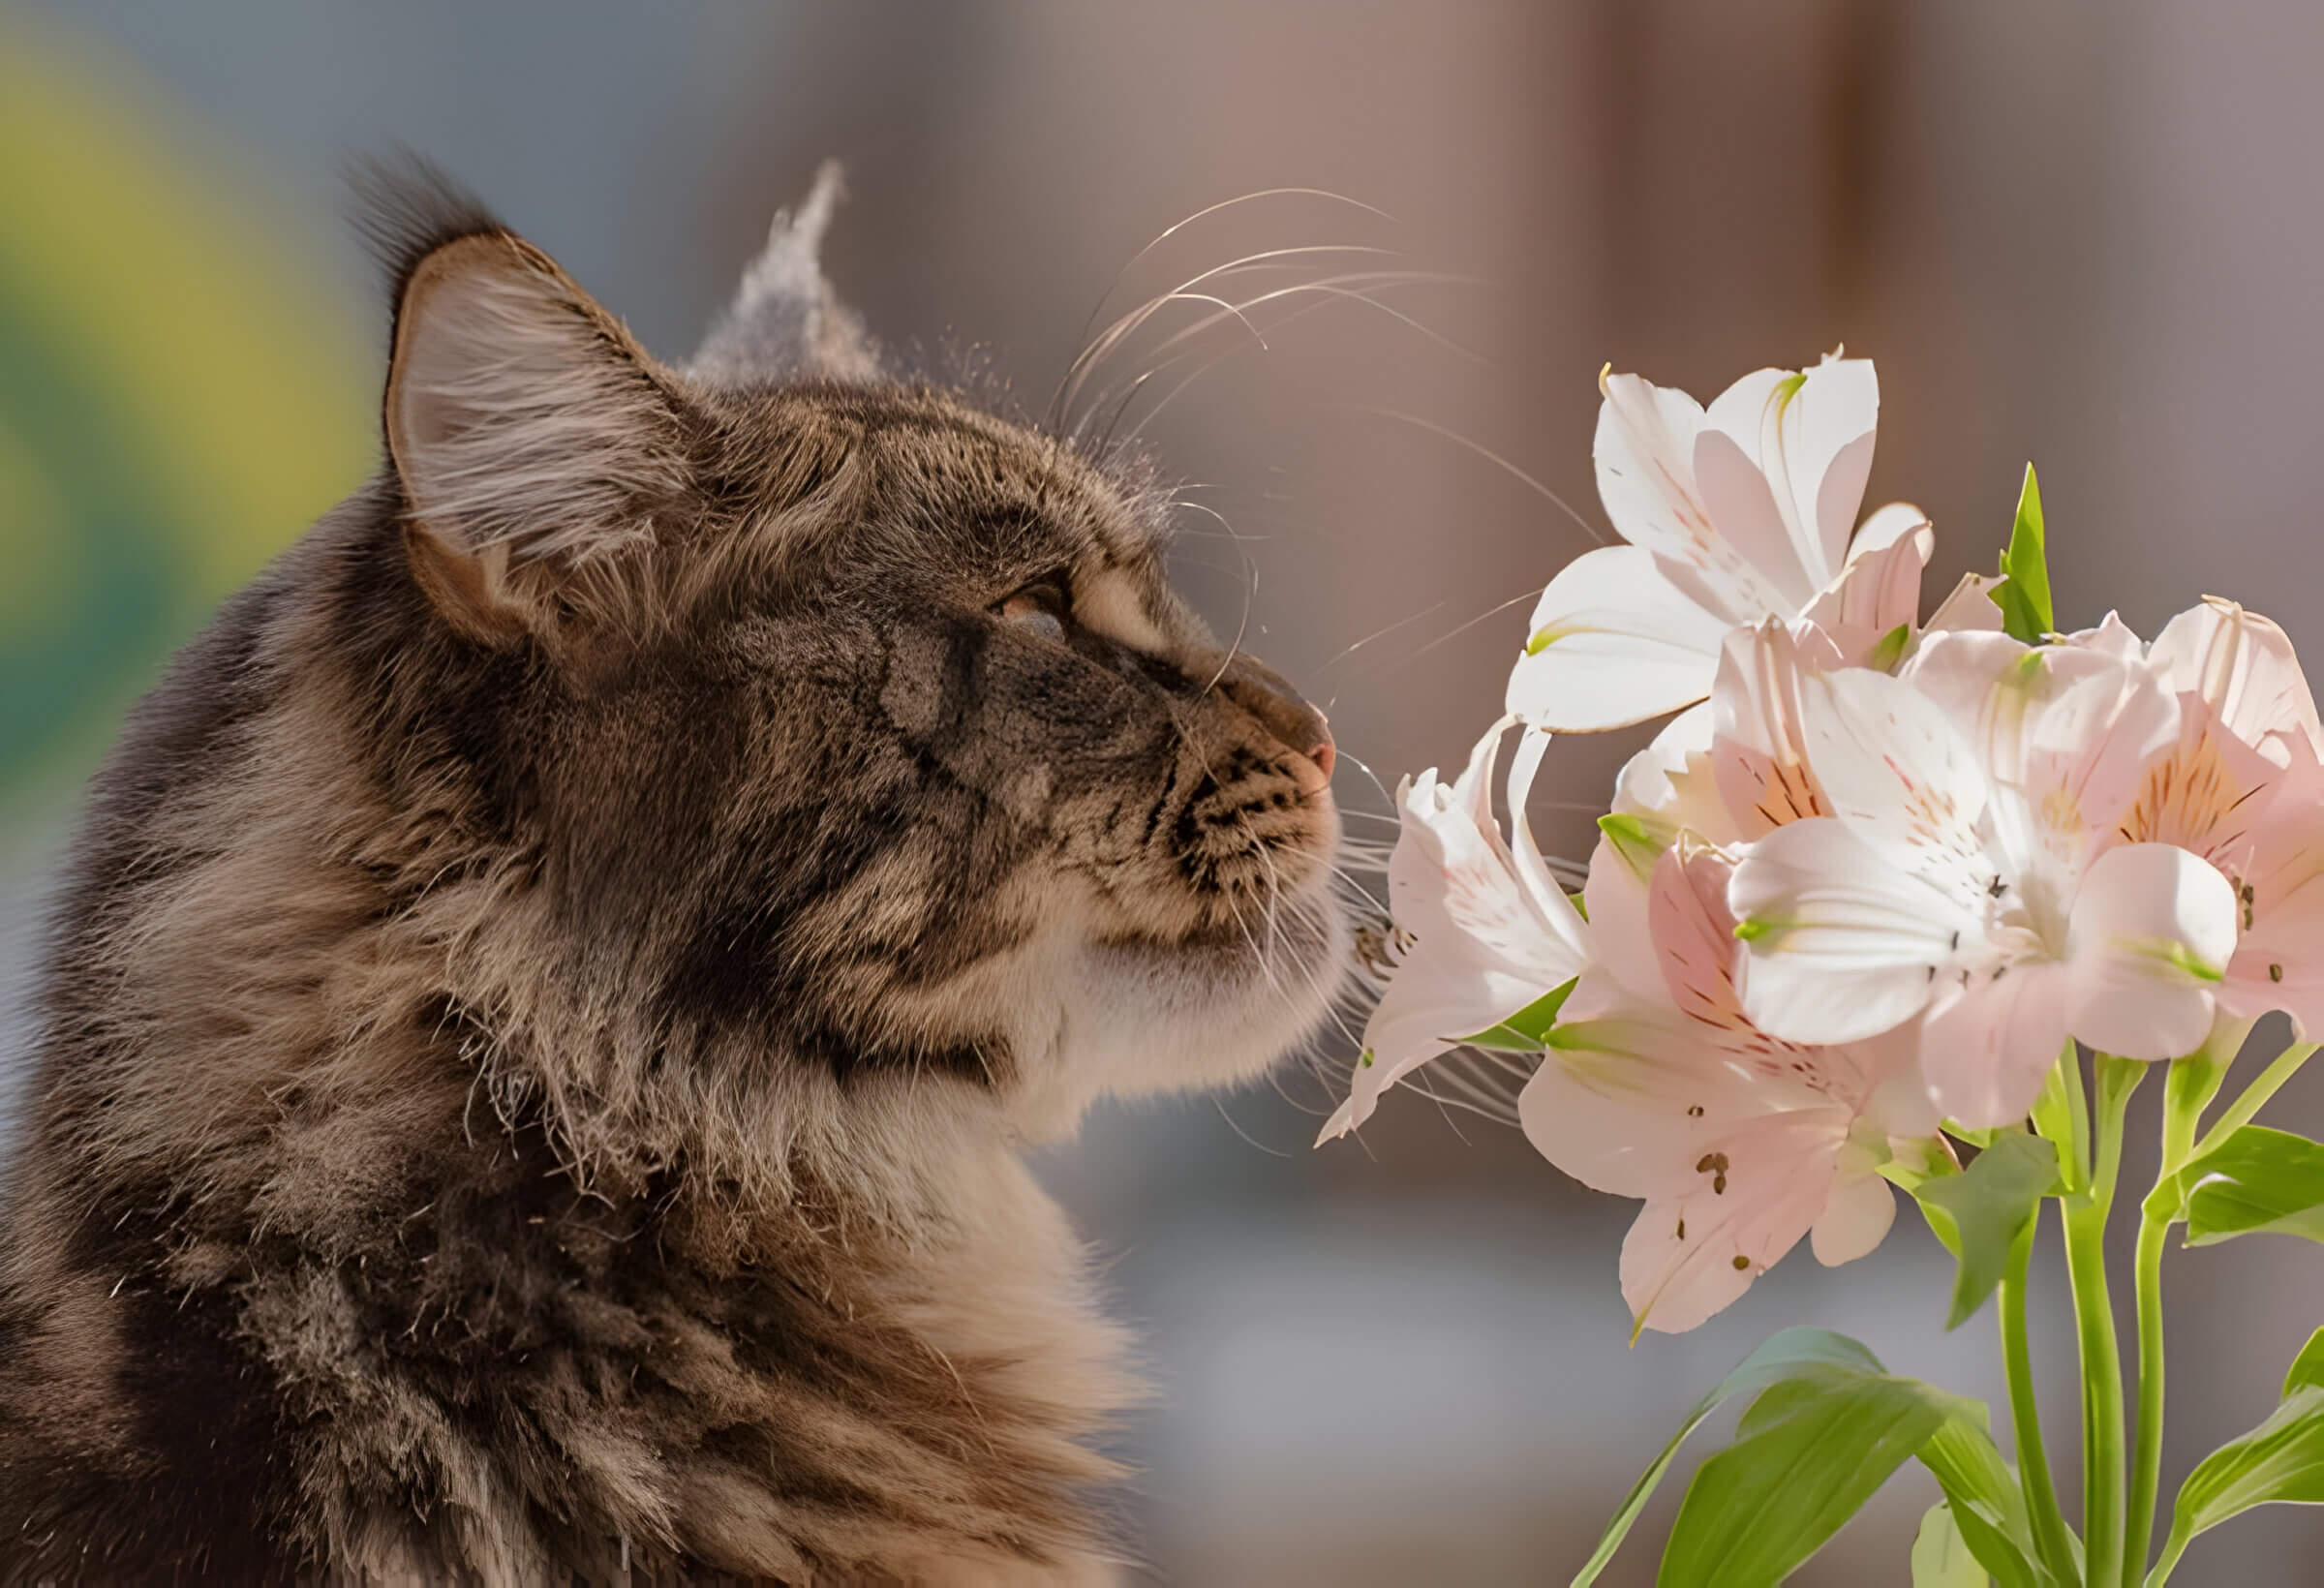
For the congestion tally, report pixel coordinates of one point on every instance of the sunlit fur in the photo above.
(551, 990)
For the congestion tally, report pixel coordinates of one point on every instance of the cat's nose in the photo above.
(1268, 696)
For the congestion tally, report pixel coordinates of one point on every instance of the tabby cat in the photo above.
(543, 1017)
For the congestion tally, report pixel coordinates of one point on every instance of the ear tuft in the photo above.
(785, 323)
(532, 437)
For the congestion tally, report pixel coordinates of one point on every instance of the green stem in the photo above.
(2146, 1451)
(2269, 1081)
(2051, 1538)
(2188, 1089)
(2086, 1218)
(2172, 1547)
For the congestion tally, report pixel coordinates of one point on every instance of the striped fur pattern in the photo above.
(551, 991)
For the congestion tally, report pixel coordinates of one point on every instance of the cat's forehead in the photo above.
(938, 481)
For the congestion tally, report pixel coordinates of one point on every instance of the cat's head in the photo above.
(841, 724)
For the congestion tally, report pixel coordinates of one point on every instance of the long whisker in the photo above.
(1176, 227)
(1450, 635)
(1333, 288)
(1491, 456)
(1126, 325)
(1342, 286)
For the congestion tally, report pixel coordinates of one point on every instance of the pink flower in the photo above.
(1973, 875)
(1487, 930)
(1732, 516)
(2243, 789)
(1739, 1142)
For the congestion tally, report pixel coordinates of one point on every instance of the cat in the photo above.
(551, 991)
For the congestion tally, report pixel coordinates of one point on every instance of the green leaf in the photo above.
(1940, 1559)
(2308, 1368)
(1979, 1212)
(1784, 1356)
(1890, 649)
(2279, 1462)
(2024, 593)
(1988, 1506)
(2257, 1181)
(1527, 1031)
(1636, 843)
(1770, 1499)
(2060, 1115)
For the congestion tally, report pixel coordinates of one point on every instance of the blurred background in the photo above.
(2084, 232)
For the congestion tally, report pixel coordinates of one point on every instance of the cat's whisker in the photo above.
(1172, 349)
(1331, 288)
(1127, 325)
(1248, 1140)
(1491, 456)
(1095, 349)
(1176, 227)
(1431, 610)
(1160, 362)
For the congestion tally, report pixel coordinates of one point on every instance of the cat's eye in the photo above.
(1041, 606)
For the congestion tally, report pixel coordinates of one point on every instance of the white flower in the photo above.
(1489, 930)
(1732, 516)
(1739, 1142)
(1972, 871)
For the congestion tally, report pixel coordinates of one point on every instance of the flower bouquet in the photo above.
(1850, 921)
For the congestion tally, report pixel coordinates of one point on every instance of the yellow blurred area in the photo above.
(178, 395)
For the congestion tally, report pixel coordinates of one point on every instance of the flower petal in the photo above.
(1809, 438)
(2244, 666)
(1630, 1103)
(1885, 527)
(1484, 943)
(2065, 734)
(1551, 905)
(1675, 1281)
(1757, 755)
(2152, 930)
(1644, 452)
(1693, 936)
(2204, 794)
(1735, 1140)
(1614, 642)
(1840, 945)
(2112, 637)
(1732, 469)
(1618, 893)
(1877, 594)
(1854, 1221)
(1987, 1044)
(1968, 609)
(1896, 772)
(2280, 962)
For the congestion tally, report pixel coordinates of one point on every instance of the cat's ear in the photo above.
(785, 323)
(537, 445)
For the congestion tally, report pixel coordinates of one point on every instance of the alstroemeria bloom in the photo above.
(1733, 515)
(1725, 772)
(1739, 1142)
(1489, 930)
(1731, 770)
(2243, 789)
(1971, 872)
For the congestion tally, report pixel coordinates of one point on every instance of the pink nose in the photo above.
(1320, 756)
(1268, 696)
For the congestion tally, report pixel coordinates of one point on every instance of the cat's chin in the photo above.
(1207, 1011)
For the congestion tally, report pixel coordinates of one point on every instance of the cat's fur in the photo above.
(544, 1012)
